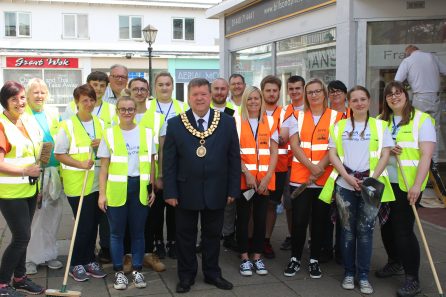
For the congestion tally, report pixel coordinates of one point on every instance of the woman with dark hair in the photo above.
(19, 146)
(76, 144)
(310, 169)
(359, 148)
(415, 138)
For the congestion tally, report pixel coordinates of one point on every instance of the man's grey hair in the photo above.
(119, 66)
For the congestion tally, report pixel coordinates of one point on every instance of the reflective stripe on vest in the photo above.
(116, 190)
(314, 143)
(375, 148)
(80, 149)
(408, 137)
(255, 154)
(22, 154)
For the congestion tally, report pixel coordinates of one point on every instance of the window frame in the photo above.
(76, 26)
(130, 22)
(17, 25)
(183, 38)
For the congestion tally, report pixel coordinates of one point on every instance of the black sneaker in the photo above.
(410, 288)
(10, 292)
(28, 286)
(292, 268)
(390, 269)
(315, 270)
(171, 250)
(286, 244)
(160, 250)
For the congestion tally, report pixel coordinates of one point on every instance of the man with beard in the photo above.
(219, 94)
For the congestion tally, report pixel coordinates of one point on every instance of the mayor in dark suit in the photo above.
(201, 176)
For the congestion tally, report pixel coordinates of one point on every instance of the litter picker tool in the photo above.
(372, 191)
(43, 160)
(63, 291)
(423, 237)
(298, 191)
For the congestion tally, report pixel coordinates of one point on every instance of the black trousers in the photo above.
(157, 212)
(18, 214)
(259, 205)
(398, 236)
(87, 230)
(305, 206)
(186, 239)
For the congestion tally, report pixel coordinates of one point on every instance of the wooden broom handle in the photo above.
(420, 228)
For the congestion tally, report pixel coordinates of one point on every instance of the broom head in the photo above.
(45, 152)
(53, 292)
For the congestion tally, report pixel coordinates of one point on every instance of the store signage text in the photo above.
(38, 62)
(267, 11)
(186, 75)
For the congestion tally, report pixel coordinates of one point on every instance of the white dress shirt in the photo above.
(205, 118)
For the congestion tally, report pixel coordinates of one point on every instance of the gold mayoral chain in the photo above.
(201, 150)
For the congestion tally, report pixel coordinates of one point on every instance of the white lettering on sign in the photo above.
(22, 62)
(58, 62)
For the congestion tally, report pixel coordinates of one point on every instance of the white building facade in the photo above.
(355, 41)
(62, 41)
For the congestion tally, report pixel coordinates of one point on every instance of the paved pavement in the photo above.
(274, 284)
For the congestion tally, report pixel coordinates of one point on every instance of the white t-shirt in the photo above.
(131, 138)
(356, 149)
(166, 109)
(62, 146)
(288, 122)
(138, 117)
(426, 133)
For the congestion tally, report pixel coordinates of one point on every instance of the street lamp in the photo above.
(149, 33)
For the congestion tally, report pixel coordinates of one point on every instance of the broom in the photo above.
(63, 291)
(42, 161)
(423, 237)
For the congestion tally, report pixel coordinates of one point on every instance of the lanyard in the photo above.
(159, 106)
(94, 130)
(99, 110)
(394, 128)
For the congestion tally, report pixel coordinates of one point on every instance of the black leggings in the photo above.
(306, 205)
(259, 205)
(18, 214)
(398, 236)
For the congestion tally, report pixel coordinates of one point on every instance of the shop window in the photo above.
(179, 91)
(183, 29)
(253, 63)
(130, 27)
(75, 26)
(18, 24)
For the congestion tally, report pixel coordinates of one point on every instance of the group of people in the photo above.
(228, 156)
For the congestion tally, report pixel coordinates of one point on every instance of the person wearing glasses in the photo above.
(127, 174)
(359, 148)
(310, 169)
(337, 95)
(119, 76)
(259, 138)
(19, 145)
(415, 139)
(75, 148)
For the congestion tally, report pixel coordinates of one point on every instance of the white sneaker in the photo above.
(365, 287)
(348, 283)
(54, 264)
(246, 268)
(31, 268)
(121, 281)
(260, 268)
(138, 279)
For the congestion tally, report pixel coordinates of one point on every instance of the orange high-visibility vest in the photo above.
(255, 151)
(314, 143)
(284, 157)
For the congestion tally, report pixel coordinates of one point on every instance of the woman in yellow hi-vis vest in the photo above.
(77, 139)
(127, 174)
(415, 138)
(359, 147)
(19, 145)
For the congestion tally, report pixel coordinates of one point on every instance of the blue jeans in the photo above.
(135, 214)
(357, 222)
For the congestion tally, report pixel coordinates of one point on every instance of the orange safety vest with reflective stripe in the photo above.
(255, 151)
(314, 143)
(280, 114)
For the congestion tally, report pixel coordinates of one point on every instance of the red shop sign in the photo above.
(39, 62)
